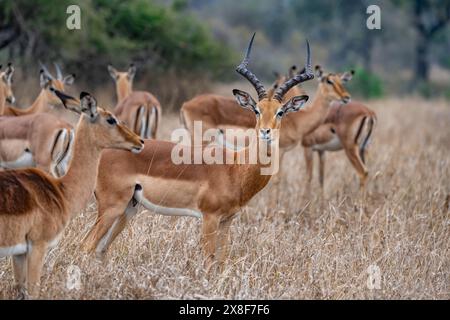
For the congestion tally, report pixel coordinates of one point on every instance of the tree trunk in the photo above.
(422, 63)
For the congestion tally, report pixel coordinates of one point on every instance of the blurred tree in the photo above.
(428, 18)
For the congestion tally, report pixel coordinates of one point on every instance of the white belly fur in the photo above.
(13, 250)
(332, 145)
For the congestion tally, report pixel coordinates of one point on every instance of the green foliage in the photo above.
(118, 32)
(366, 84)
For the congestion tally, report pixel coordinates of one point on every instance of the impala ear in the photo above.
(69, 79)
(88, 105)
(295, 103)
(244, 99)
(347, 76)
(44, 79)
(112, 72)
(131, 71)
(9, 72)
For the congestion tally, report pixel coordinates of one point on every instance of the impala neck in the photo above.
(79, 182)
(123, 89)
(251, 181)
(310, 118)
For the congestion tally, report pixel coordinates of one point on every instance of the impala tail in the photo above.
(165, 211)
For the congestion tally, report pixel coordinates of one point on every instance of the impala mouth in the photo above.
(346, 99)
(137, 150)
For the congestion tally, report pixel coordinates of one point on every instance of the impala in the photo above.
(223, 113)
(6, 94)
(49, 142)
(215, 192)
(347, 127)
(46, 101)
(139, 110)
(49, 147)
(35, 207)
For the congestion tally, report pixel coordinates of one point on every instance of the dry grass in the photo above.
(317, 249)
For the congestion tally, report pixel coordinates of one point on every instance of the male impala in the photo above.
(215, 191)
(348, 127)
(35, 207)
(6, 94)
(56, 135)
(221, 112)
(139, 110)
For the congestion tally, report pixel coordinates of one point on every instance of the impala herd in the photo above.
(59, 152)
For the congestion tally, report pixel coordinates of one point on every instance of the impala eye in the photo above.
(280, 113)
(329, 81)
(111, 121)
(257, 112)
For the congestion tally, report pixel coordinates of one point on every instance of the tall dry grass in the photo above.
(305, 248)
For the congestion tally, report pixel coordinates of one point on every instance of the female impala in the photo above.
(221, 112)
(46, 100)
(48, 138)
(6, 94)
(55, 134)
(347, 127)
(35, 207)
(215, 191)
(139, 110)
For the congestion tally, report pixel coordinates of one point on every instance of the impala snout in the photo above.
(265, 134)
(346, 99)
(11, 99)
(139, 148)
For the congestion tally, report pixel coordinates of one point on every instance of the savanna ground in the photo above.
(304, 249)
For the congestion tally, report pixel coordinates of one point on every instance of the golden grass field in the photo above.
(304, 249)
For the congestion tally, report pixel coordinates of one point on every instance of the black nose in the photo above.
(346, 99)
(142, 141)
(265, 131)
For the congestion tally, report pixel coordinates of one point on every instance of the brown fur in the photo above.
(129, 101)
(347, 122)
(35, 207)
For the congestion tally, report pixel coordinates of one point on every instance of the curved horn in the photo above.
(59, 75)
(44, 68)
(247, 74)
(299, 78)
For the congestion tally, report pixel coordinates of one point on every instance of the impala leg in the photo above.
(118, 225)
(209, 238)
(355, 160)
(35, 262)
(321, 169)
(223, 240)
(309, 161)
(97, 236)
(19, 264)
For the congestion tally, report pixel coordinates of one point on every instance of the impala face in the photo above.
(123, 80)
(50, 84)
(6, 82)
(332, 84)
(269, 112)
(106, 129)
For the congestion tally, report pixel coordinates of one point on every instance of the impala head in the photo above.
(6, 82)
(105, 129)
(269, 110)
(123, 80)
(331, 85)
(49, 83)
